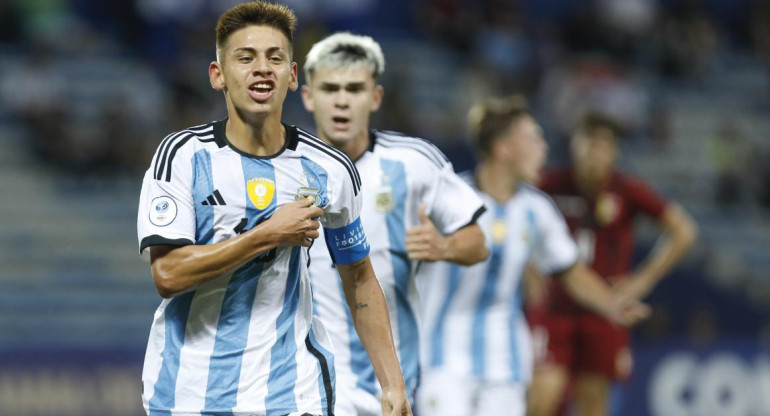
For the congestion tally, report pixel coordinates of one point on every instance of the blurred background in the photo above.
(88, 89)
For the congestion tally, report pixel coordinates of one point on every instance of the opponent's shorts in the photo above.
(582, 342)
(445, 394)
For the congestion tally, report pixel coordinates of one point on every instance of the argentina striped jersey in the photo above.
(473, 321)
(245, 343)
(398, 173)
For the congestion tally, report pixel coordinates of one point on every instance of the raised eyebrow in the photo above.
(253, 51)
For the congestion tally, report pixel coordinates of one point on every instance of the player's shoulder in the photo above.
(180, 144)
(539, 198)
(414, 149)
(627, 182)
(329, 157)
(555, 178)
(469, 177)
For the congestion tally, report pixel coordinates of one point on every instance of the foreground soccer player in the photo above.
(600, 205)
(228, 244)
(414, 209)
(477, 348)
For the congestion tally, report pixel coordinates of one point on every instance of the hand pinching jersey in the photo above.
(398, 174)
(473, 324)
(244, 343)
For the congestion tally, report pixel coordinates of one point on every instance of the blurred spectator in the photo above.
(11, 30)
(729, 157)
(689, 40)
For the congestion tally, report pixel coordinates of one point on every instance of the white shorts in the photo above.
(356, 402)
(445, 394)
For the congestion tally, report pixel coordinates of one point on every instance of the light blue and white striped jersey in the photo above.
(245, 343)
(473, 324)
(398, 173)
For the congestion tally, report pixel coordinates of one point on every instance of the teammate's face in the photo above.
(342, 100)
(255, 71)
(594, 154)
(525, 149)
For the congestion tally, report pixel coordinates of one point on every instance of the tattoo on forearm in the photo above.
(360, 306)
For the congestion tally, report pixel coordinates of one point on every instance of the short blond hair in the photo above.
(344, 50)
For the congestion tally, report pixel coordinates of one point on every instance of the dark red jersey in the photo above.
(602, 224)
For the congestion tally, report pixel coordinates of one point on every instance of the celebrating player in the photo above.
(600, 205)
(414, 209)
(228, 242)
(477, 348)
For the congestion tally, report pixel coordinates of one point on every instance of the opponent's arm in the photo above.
(178, 269)
(590, 290)
(369, 310)
(680, 234)
(465, 246)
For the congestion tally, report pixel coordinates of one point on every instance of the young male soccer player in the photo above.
(477, 349)
(600, 205)
(414, 209)
(227, 211)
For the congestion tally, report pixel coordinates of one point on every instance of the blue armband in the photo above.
(347, 244)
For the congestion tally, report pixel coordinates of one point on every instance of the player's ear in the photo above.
(216, 76)
(379, 92)
(307, 98)
(294, 80)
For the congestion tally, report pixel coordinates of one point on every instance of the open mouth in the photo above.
(341, 123)
(261, 90)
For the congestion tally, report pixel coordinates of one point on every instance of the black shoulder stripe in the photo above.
(430, 147)
(342, 154)
(345, 159)
(170, 159)
(166, 144)
(428, 155)
(352, 172)
(421, 145)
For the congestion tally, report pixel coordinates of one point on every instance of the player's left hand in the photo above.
(395, 403)
(628, 311)
(424, 242)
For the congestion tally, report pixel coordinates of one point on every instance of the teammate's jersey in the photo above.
(398, 174)
(473, 324)
(244, 343)
(602, 225)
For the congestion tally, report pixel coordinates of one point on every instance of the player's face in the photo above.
(342, 100)
(528, 149)
(256, 71)
(594, 154)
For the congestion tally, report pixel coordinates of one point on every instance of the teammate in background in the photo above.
(600, 205)
(477, 349)
(415, 208)
(226, 214)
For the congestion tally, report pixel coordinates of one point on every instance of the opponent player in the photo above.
(477, 350)
(600, 205)
(407, 186)
(234, 334)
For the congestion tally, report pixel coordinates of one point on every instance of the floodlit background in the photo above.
(89, 88)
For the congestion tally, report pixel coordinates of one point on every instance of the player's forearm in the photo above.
(368, 308)
(467, 246)
(178, 269)
(681, 235)
(585, 286)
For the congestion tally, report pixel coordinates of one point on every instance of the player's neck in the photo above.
(591, 184)
(495, 180)
(354, 148)
(261, 137)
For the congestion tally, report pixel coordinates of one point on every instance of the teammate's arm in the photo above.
(369, 311)
(680, 233)
(590, 290)
(465, 246)
(178, 269)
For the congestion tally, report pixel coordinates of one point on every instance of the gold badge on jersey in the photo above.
(383, 199)
(607, 208)
(261, 191)
(499, 231)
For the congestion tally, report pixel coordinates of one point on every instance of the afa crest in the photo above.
(261, 191)
(499, 231)
(607, 208)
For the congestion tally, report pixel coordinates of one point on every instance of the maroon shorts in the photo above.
(582, 342)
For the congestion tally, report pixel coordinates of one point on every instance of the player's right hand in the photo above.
(395, 403)
(295, 223)
(628, 311)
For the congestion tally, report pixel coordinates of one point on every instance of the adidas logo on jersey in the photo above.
(214, 199)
